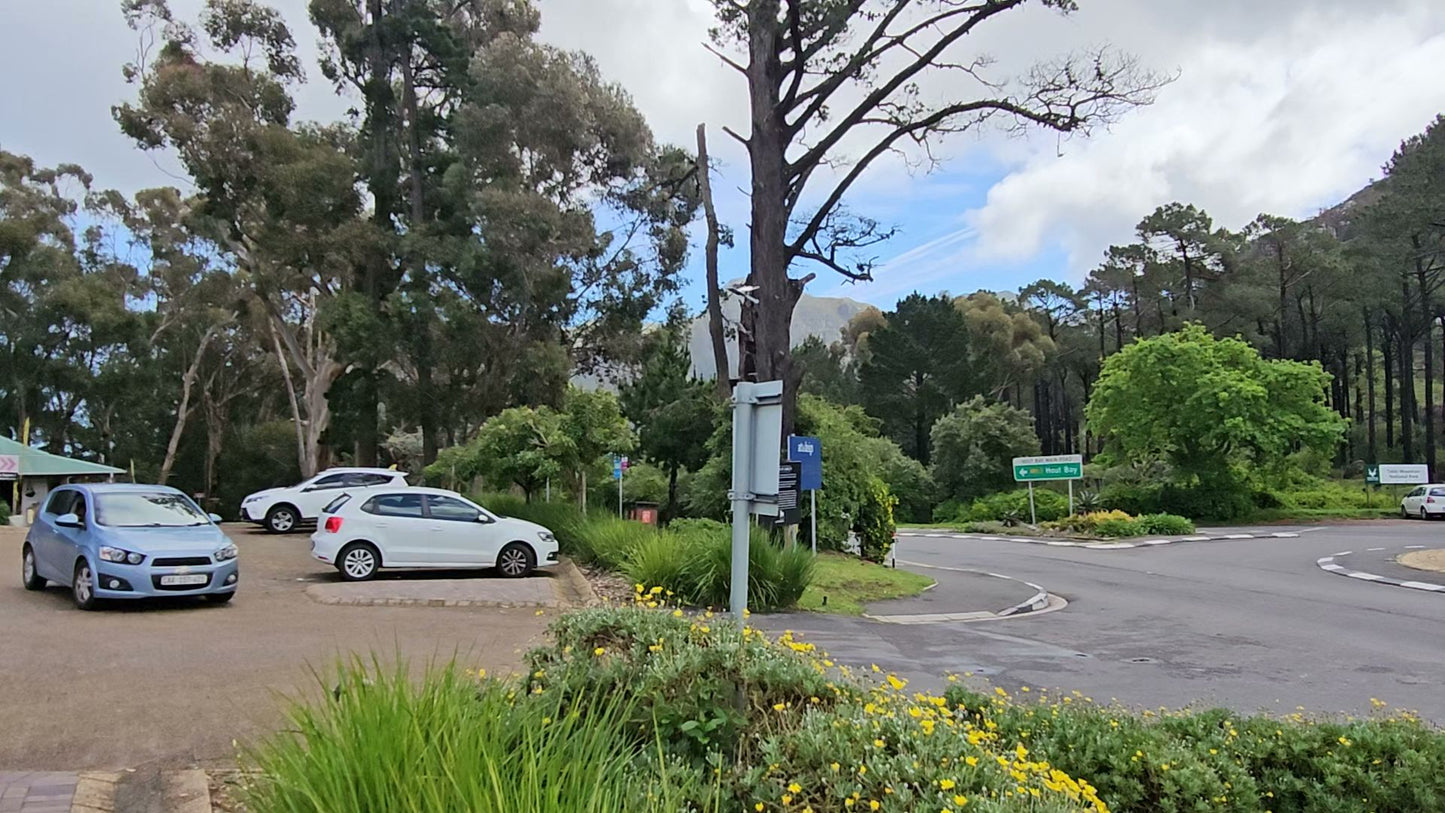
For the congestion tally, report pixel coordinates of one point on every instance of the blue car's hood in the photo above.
(198, 539)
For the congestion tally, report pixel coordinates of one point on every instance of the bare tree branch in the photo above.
(727, 60)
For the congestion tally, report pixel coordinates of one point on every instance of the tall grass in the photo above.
(384, 743)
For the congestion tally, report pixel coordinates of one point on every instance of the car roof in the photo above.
(121, 488)
(440, 492)
(360, 470)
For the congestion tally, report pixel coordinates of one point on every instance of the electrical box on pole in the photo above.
(757, 445)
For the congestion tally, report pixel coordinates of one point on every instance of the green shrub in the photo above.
(609, 542)
(1117, 528)
(950, 511)
(1165, 525)
(563, 519)
(4, 512)
(982, 527)
(874, 523)
(383, 742)
(1205, 502)
(1050, 505)
(1136, 500)
(1215, 759)
(659, 561)
(776, 579)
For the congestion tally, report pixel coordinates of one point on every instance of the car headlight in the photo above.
(120, 557)
(226, 553)
(546, 536)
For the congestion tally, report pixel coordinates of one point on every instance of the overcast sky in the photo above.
(1280, 106)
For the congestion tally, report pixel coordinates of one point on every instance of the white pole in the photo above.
(813, 512)
(549, 489)
(1033, 515)
(741, 495)
(1071, 498)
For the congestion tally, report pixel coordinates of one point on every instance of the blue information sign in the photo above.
(809, 452)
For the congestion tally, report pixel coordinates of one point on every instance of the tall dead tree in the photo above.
(833, 85)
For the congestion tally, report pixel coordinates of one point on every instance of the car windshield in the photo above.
(147, 510)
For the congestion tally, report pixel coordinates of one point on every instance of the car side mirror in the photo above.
(70, 520)
(216, 518)
(484, 519)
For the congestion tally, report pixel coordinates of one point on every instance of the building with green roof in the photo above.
(30, 474)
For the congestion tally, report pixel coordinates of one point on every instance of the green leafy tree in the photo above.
(674, 413)
(593, 423)
(974, 445)
(918, 367)
(522, 446)
(1213, 408)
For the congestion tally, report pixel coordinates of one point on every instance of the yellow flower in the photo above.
(779, 706)
(834, 766)
(972, 761)
(758, 806)
(795, 788)
(960, 800)
(787, 799)
(873, 804)
(877, 743)
(1345, 741)
(599, 651)
(946, 784)
(896, 682)
(678, 614)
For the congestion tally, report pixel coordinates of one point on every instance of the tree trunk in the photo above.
(183, 410)
(920, 422)
(1407, 397)
(671, 493)
(291, 398)
(1279, 344)
(714, 291)
(1388, 365)
(1371, 450)
(427, 414)
(777, 295)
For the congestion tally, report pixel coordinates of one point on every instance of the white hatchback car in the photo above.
(1425, 502)
(429, 528)
(282, 510)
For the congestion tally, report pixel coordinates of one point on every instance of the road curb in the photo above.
(575, 586)
(1068, 543)
(1040, 601)
(1329, 565)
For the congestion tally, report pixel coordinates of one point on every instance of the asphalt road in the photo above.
(174, 683)
(1252, 624)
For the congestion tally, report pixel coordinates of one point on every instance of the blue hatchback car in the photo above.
(128, 541)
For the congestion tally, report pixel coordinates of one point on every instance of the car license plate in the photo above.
(177, 581)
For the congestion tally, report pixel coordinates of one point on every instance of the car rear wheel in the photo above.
(221, 598)
(82, 587)
(1425, 515)
(516, 560)
(282, 519)
(358, 562)
(29, 575)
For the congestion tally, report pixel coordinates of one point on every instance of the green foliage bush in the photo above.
(776, 577)
(874, 524)
(973, 446)
(563, 519)
(4, 512)
(1164, 525)
(656, 711)
(1196, 502)
(1050, 505)
(1218, 760)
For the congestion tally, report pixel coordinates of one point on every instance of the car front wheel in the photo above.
(28, 574)
(282, 519)
(516, 560)
(82, 587)
(358, 562)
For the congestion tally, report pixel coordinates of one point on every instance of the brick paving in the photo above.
(37, 791)
(479, 590)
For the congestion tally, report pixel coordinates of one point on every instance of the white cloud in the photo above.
(1287, 121)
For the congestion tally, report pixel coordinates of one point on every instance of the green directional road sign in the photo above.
(1052, 467)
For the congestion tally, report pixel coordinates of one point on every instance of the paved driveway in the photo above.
(174, 683)
(1249, 624)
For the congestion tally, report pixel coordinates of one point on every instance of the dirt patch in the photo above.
(609, 586)
(1432, 560)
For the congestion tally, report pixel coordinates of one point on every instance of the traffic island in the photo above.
(1431, 560)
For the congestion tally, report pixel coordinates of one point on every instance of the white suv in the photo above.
(281, 510)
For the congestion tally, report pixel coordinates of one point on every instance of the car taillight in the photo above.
(1430, 500)
(333, 524)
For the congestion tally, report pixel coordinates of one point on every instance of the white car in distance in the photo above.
(426, 528)
(282, 510)
(1425, 502)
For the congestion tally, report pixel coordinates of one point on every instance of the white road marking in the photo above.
(1369, 577)
(1372, 550)
(1343, 553)
(1414, 547)
(1423, 585)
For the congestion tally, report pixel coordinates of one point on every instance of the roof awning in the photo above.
(28, 462)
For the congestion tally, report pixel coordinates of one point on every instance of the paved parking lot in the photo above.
(174, 683)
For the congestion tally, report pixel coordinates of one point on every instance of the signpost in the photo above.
(757, 436)
(1398, 474)
(788, 476)
(1030, 470)
(619, 465)
(9, 467)
(808, 453)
